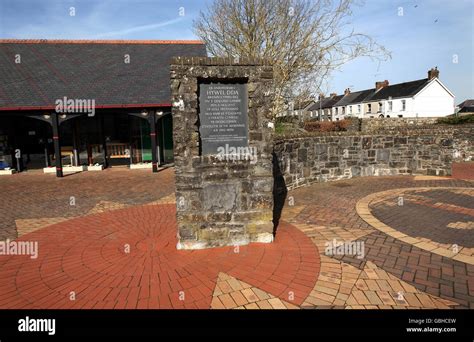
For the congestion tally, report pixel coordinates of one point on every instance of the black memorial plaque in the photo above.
(223, 116)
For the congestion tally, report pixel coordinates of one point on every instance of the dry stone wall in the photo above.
(334, 156)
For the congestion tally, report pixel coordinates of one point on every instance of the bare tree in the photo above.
(305, 40)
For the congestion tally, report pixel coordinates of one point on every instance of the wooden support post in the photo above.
(104, 141)
(57, 145)
(89, 154)
(154, 159)
(76, 142)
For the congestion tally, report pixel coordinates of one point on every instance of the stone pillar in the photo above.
(223, 144)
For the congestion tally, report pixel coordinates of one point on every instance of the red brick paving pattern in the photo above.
(35, 195)
(87, 255)
(463, 170)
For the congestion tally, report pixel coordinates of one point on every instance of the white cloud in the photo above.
(140, 28)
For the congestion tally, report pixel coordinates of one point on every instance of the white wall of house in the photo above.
(375, 108)
(434, 101)
(338, 113)
(397, 108)
(357, 110)
(360, 109)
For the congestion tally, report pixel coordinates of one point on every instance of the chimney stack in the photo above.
(332, 94)
(321, 96)
(433, 73)
(347, 91)
(380, 85)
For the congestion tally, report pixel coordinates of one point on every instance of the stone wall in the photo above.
(463, 144)
(377, 124)
(222, 202)
(463, 135)
(334, 156)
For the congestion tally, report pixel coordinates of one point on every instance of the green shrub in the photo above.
(279, 127)
(456, 120)
(326, 126)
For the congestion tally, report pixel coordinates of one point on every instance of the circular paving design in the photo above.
(440, 220)
(127, 258)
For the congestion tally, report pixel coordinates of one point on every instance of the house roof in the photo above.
(327, 102)
(466, 103)
(89, 69)
(331, 101)
(303, 104)
(405, 89)
(355, 97)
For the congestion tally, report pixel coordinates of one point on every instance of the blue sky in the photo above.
(430, 33)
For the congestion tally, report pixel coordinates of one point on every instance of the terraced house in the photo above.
(427, 97)
(87, 104)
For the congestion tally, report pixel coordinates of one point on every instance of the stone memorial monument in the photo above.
(223, 143)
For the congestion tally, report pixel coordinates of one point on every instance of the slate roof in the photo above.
(52, 69)
(466, 104)
(302, 104)
(331, 101)
(355, 97)
(405, 89)
(327, 102)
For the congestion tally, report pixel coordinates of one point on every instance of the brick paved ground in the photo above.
(127, 258)
(29, 197)
(392, 273)
(83, 247)
(443, 216)
(463, 170)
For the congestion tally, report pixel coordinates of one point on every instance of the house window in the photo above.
(350, 109)
(337, 111)
(404, 105)
(380, 107)
(343, 110)
(369, 108)
(358, 108)
(390, 106)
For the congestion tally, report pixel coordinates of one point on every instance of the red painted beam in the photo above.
(142, 105)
